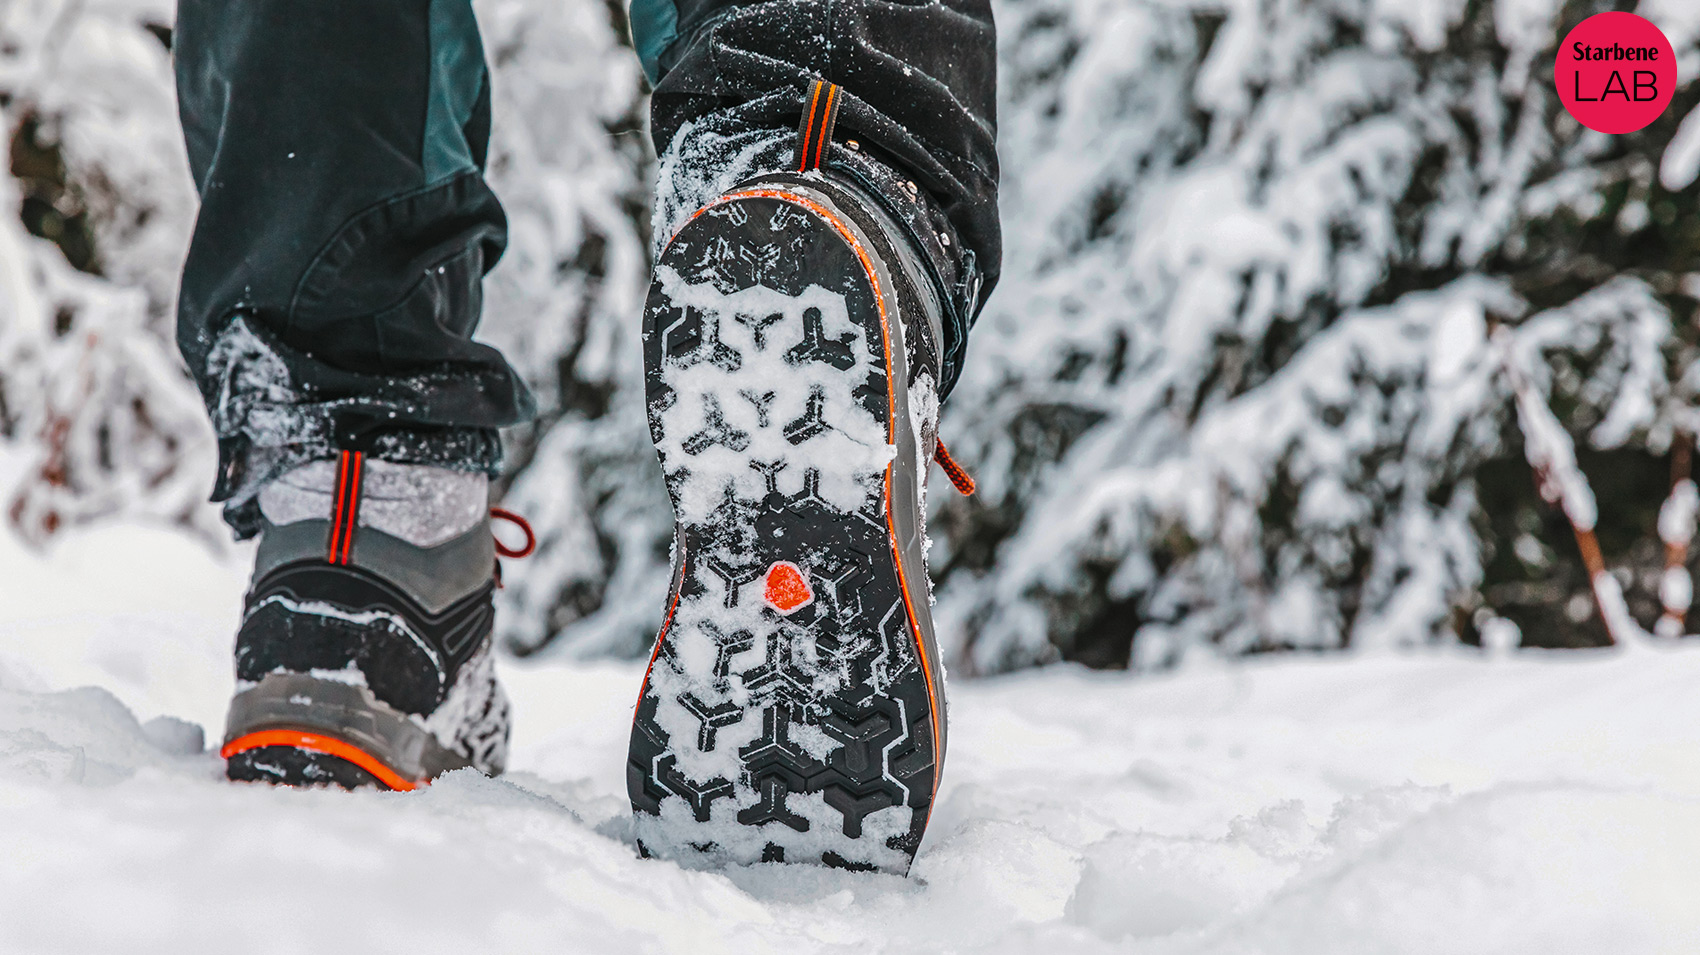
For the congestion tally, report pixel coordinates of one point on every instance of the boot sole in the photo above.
(792, 709)
(292, 764)
(298, 730)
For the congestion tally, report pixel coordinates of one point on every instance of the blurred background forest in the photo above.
(1289, 286)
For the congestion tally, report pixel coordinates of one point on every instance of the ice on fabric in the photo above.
(474, 717)
(424, 506)
(704, 162)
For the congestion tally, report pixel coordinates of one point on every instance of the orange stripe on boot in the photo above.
(335, 543)
(350, 473)
(357, 476)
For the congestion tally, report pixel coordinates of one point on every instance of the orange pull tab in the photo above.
(959, 478)
(815, 131)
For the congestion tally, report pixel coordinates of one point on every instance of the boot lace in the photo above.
(512, 553)
(959, 476)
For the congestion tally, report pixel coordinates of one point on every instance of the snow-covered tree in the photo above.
(89, 379)
(94, 400)
(1258, 246)
(1236, 390)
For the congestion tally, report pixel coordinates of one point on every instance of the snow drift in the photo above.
(1430, 803)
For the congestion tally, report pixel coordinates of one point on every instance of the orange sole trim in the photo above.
(328, 745)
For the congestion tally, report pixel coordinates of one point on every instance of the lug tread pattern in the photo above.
(779, 737)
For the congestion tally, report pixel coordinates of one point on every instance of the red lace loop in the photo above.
(521, 523)
(959, 477)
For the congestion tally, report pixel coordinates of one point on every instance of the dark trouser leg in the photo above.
(333, 282)
(920, 89)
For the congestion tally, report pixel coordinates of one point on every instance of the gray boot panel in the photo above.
(297, 701)
(434, 576)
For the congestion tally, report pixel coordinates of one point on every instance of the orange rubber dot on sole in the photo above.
(787, 588)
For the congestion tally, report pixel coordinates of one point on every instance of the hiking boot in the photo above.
(364, 656)
(793, 709)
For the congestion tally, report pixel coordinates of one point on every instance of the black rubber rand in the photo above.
(768, 732)
(410, 670)
(291, 766)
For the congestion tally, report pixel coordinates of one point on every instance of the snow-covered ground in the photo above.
(1447, 802)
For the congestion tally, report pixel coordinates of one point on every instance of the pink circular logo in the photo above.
(1616, 72)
